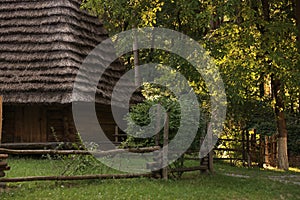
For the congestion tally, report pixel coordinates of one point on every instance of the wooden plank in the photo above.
(19, 123)
(66, 126)
(43, 124)
(8, 124)
(26, 128)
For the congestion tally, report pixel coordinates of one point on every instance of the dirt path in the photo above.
(295, 179)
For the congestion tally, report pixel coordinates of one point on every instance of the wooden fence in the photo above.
(159, 167)
(251, 149)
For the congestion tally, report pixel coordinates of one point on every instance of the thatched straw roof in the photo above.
(43, 43)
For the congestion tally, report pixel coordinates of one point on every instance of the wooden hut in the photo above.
(43, 44)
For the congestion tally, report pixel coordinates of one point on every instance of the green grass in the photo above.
(192, 185)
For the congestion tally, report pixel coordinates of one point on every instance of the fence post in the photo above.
(211, 161)
(165, 148)
(248, 149)
(261, 161)
(158, 126)
(116, 134)
(243, 147)
(267, 162)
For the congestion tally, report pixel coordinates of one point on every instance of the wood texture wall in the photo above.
(47, 123)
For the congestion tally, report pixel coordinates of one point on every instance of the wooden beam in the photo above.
(73, 178)
(189, 169)
(82, 152)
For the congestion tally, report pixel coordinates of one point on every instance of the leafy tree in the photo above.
(256, 44)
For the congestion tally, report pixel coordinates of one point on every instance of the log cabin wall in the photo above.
(48, 123)
(60, 125)
(24, 124)
(106, 120)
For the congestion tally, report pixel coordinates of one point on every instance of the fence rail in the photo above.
(251, 148)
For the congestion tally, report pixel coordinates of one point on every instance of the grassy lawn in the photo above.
(227, 183)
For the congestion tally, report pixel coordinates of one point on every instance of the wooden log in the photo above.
(3, 156)
(189, 169)
(4, 168)
(41, 152)
(3, 163)
(82, 152)
(69, 178)
(40, 145)
(144, 149)
(2, 174)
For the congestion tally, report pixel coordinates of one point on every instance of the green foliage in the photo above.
(248, 48)
(140, 115)
(293, 126)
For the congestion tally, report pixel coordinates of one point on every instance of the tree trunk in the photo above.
(137, 73)
(297, 17)
(277, 94)
(283, 162)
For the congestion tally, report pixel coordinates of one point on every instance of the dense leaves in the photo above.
(253, 42)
